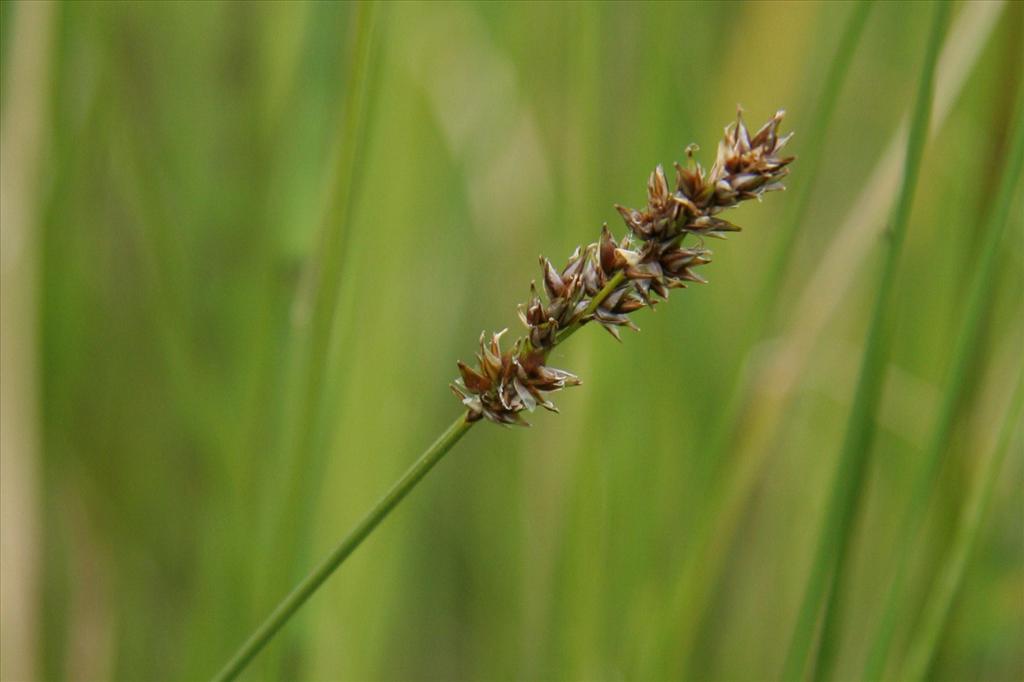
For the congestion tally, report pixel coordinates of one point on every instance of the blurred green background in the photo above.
(245, 243)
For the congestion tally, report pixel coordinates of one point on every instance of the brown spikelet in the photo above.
(607, 280)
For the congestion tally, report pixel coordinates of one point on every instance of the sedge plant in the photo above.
(603, 283)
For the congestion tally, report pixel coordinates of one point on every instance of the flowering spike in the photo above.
(607, 280)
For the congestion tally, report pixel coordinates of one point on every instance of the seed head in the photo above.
(607, 280)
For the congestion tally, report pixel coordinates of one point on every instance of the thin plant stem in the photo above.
(605, 292)
(820, 596)
(312, 582)
(937, 608)
(305, 589)
(964, 353)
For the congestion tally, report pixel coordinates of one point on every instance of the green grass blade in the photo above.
(313, 333)
(694, 596)
(937, 608)
(764, 315)
(769, 391)
(836, 531)
(965, 350)
(330, 260)
(812, 155)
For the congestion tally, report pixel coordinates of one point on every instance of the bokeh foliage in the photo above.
(194, 460)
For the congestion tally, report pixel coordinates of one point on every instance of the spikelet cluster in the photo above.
(605, 281)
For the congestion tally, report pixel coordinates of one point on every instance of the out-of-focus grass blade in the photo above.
(691, 602)
(811, 156)
(964, 352)
(24, 147)
(835, 537)
(936, 610)
(316, 316)
(768, 392)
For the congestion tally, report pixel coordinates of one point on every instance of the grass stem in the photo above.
(305, 589)
(594, 304)
(302, 592)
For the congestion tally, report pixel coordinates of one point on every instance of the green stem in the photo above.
(595, 302)
(287, 608)
(305, 589)
(298, 596)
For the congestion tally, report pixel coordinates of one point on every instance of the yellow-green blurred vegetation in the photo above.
(245, 243)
